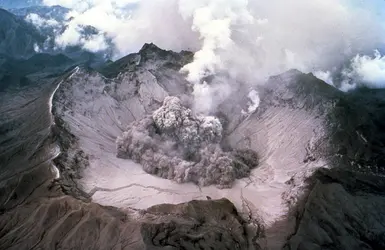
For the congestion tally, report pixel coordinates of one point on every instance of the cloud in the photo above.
(36, 48)
(41, 22)
(362, 70)
(70, 37)
(251, 40)
(300, 33)
(369, 70)
(95, 43)
(347, 86)
(116, 20)
(83, 5)
(107, 17)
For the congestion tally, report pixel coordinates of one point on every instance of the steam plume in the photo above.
(240, 40)
(367, 70)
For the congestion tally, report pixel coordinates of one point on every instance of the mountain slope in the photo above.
(18, 72)
(340, 211)
(17, 37)
(24, 36)
(8, 4)
(55, 12)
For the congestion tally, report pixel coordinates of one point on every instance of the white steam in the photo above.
(127, 24)
(36, 48)
(267, 37)
(368, 70)
(73, 36)
(362, 70)
(253, 103)
(214, 22)
(325, 76)
(245, 40)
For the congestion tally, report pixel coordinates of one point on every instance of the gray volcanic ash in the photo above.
(174, 144)
(287, 131)
(224, 141)
(302, 128)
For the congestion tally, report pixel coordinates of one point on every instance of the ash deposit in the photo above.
(175, 144)
(258, 126)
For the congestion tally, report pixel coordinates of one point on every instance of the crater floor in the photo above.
(284, 135)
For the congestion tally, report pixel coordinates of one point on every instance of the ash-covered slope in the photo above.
(36, 211)
(288, 132)
(294, 131)
(318, 184)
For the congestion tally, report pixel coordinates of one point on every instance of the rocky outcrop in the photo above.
(196, 225)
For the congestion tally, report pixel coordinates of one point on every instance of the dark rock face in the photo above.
(59, 221)
(358, 121)
(69, 166)
(341, 212)
(17, 37)
(198, 225)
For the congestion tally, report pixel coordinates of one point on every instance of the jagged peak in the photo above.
(150, 51)
(304, 81)
(150, 47)
(149, 54)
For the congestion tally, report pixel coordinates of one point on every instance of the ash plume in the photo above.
(175, 144)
